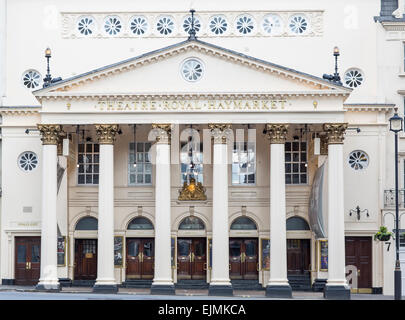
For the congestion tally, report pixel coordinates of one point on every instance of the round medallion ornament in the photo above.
(31, 79)
(138, 25)
(27, 161)
(298, 24)
(86, 25)
(192, 70)
(245, 24)
(187, 24)
(358, 160)
(112, 25)
(354, 78)
(218, 25)
(272, 24)
(165, 25)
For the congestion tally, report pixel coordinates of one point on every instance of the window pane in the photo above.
(288, 179)
(89, 179)
(139, 178)
(95, 179)
(80, 179)
(148, 178)
(296, 178)
(295, 146)
(89, 147)
(96, 148)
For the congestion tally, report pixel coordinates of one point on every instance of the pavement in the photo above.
(85, 293)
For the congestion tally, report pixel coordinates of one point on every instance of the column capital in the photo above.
(106, 133)
(50, 133)
(220, 132)
(335, 132)
(163, 132)
(276, 132)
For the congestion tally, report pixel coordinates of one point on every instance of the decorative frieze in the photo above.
(176, 24)
(220, 132)
(276, 133)
(162, 132)
(50, 133)
(335, 132)
(106, 133)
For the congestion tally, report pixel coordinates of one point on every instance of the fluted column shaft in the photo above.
(105, 281)
(278, 285)
(162, 281)
(220, 283)
(49, 277)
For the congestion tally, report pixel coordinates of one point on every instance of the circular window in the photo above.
(298, 24)
(31, 79)
(27, 161)
(165, 25)
(358, 160)
(112, 25)
(245, 24)
(192, 69)
(354, 78)
(138, 25)
(86, 25)
(187, 24)
(272, 24)
(218, 25)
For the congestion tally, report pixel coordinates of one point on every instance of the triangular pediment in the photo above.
(160, 72)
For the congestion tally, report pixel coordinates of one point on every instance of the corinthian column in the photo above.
(48, 280)
(220, 284)
(162, 281)
(278, 286)
(336, 287)
(105, 282)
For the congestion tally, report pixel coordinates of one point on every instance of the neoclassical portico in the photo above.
(289, 101)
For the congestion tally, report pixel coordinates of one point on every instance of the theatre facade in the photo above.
(194, 166)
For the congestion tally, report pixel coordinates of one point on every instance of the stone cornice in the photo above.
(20, 110)
(368, 107)
(131, 64)
(53, 96)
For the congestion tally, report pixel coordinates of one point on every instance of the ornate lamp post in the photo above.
(336, 76)
(48, 77)
(396, 125)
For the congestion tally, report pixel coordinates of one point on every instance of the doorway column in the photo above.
(278, 286)
(336, 287)
(162, 281)
(49, 277)
(105, 282)
(220, 283)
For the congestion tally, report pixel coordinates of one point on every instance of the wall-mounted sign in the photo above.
(61, 251)
(323, 255)
(188, 105)
(118, 248)
(265, 252)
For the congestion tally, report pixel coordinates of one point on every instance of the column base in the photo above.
(7, 282)
(51, 287)
(283, 291)
(162, 289)
(336, 292)
(220, 290)
(105, 288)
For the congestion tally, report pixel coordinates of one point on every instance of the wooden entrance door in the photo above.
(27, 260)
(85, 259)
(243, 259)
(140, 258)
(191, 258)
(298, 256)
(358, 253)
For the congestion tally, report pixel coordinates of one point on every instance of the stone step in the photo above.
(141, 283)
(246, 285)
(83, 283)
(191, 284)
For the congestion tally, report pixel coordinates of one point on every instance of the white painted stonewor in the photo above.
(163, 275)
(336, 227)
(220, 237)
(278, 247)
(49, 277)
(105, 254)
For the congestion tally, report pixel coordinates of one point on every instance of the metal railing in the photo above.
(389, 198)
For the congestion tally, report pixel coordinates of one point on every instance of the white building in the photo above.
(293, 206)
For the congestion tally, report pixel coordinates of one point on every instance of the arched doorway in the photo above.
(298, 254)
(191, 251)
(85, 251)
(140, 255)
(243, 252)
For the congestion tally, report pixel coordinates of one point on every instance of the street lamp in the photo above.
(48, 77)
(336, 76)
(396, 125)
